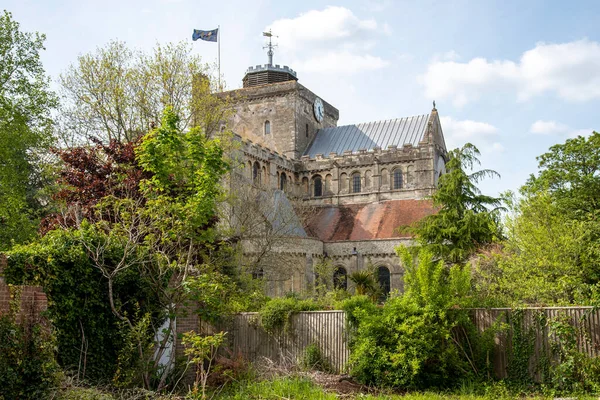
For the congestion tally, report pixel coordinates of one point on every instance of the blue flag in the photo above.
(209, 36)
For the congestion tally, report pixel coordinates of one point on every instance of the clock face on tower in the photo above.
(318, 109)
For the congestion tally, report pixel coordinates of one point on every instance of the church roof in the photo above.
(398, 132)
(379, 220)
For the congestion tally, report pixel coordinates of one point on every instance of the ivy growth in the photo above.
(275, 315)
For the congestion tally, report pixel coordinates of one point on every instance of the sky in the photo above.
(511, 77)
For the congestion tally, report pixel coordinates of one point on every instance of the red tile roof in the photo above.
(367, 221)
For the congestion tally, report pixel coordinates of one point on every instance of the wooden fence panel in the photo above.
(328, 330)
(535, 322)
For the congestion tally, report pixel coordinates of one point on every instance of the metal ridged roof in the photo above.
(369, 135)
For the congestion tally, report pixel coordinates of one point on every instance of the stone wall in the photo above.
(358, 255)
(291, 265)
(375, 169)
(287, 106)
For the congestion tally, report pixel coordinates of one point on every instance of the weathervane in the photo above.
(434, 104)
(270, 46)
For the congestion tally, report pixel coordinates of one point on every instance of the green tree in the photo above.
(161, 233)
(552, 251)
(466, 218)
(186, 169)
(544, 260)
(119, 93)
(25, 129)
(570, 172)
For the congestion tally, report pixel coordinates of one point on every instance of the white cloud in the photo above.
(467, 129)
(556, 128)
(570, 71)
(481, 134)
(342, 62)
(329, 40)
(548, 127)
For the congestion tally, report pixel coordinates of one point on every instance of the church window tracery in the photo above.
(282, 181)
(256, 173)
(397, 178)
(318, 186)
(383, 276)
(258, 274)
(267, 127)
(356, 183)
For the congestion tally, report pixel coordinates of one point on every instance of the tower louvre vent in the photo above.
(265, 74)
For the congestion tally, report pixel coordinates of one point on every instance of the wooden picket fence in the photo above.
(328, 330)
(534, 322)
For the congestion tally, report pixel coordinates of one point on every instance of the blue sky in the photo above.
(512, 77)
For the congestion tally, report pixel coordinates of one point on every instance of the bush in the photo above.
(276, 313)
(28, 369)
(356, 307)
(571, 371)
(314, 359)
(421, 339)
(89, 337)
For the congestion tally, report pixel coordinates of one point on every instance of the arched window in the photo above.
(256, 172)
(282, 181)
(264, 175)
(397, 178)
(368, 175)
(340, 278)
(384, 176)
(318, 185)
(267, 127)
(258, 274)
(356, 183)
(383, 277)
(409, 177)
(343, 183)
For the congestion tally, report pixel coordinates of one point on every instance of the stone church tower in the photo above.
(363, 181)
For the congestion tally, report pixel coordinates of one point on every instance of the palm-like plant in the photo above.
(365, 282)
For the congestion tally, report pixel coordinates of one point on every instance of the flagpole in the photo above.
(219, 54)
